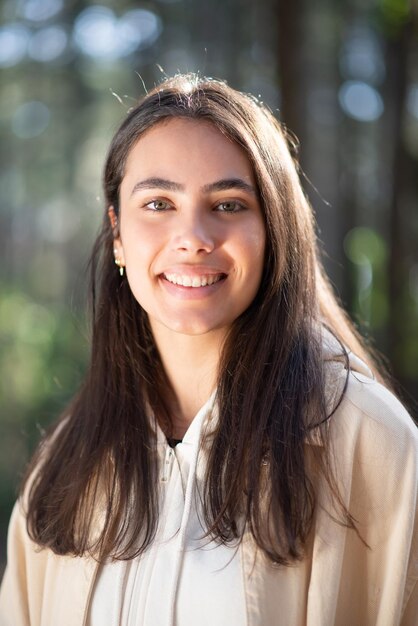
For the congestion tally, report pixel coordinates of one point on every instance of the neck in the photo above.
(191, 365)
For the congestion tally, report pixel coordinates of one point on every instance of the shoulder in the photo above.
(373, 454)
(33, 583)
(22, 585)
(373, 444)
(368, 409)
(374, 450)
(364, 407)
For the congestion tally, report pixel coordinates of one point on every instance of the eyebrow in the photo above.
(169, 185)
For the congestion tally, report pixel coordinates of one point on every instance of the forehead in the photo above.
(188, 147)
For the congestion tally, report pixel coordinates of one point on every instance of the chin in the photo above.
(194, 327)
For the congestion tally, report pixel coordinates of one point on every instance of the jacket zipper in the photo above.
(167, 465)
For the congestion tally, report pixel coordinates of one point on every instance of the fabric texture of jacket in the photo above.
(342, 581)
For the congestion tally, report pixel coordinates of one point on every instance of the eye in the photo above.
(158, 205)
(230, 206)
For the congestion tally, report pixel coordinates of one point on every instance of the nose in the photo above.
(194, 234)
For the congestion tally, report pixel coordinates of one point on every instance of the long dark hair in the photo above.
(92, 486)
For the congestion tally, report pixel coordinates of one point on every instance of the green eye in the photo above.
(229, 207)
(158, 205)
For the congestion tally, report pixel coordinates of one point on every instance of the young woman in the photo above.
(231, 458)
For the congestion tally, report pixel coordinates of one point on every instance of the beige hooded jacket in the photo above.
(340, 582)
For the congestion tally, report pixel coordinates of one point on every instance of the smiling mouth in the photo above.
(194, 281)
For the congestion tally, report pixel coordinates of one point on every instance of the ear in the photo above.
(113, 221)
(117, 242)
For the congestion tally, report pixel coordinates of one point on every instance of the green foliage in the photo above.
(367, 251)
(393, 15)
(33, 339)
(42, 359)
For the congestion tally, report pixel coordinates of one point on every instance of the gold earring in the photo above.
(118, 262)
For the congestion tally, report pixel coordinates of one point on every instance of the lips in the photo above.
(193, 280)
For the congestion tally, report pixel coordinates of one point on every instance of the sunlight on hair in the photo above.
(188, 87)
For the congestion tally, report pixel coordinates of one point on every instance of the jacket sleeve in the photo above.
(377, 449)
(410, 616)
(410, 611)
(20, 593)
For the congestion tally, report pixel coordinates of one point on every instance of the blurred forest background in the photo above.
(343, 76)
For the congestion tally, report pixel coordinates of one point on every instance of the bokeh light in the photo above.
(367, 250)
(139, 29)
(40, 10)
(98, 33)
(360, 101)
(57, 220)
(361, 57)
(30, 119)
(48, 44)
(13, 44)
(363, 246)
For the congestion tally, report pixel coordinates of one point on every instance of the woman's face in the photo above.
(191, 231)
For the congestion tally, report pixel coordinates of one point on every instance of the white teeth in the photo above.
(193, 281)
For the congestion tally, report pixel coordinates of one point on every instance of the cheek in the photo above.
(258, 241)
(138, 246)
(254, 248)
